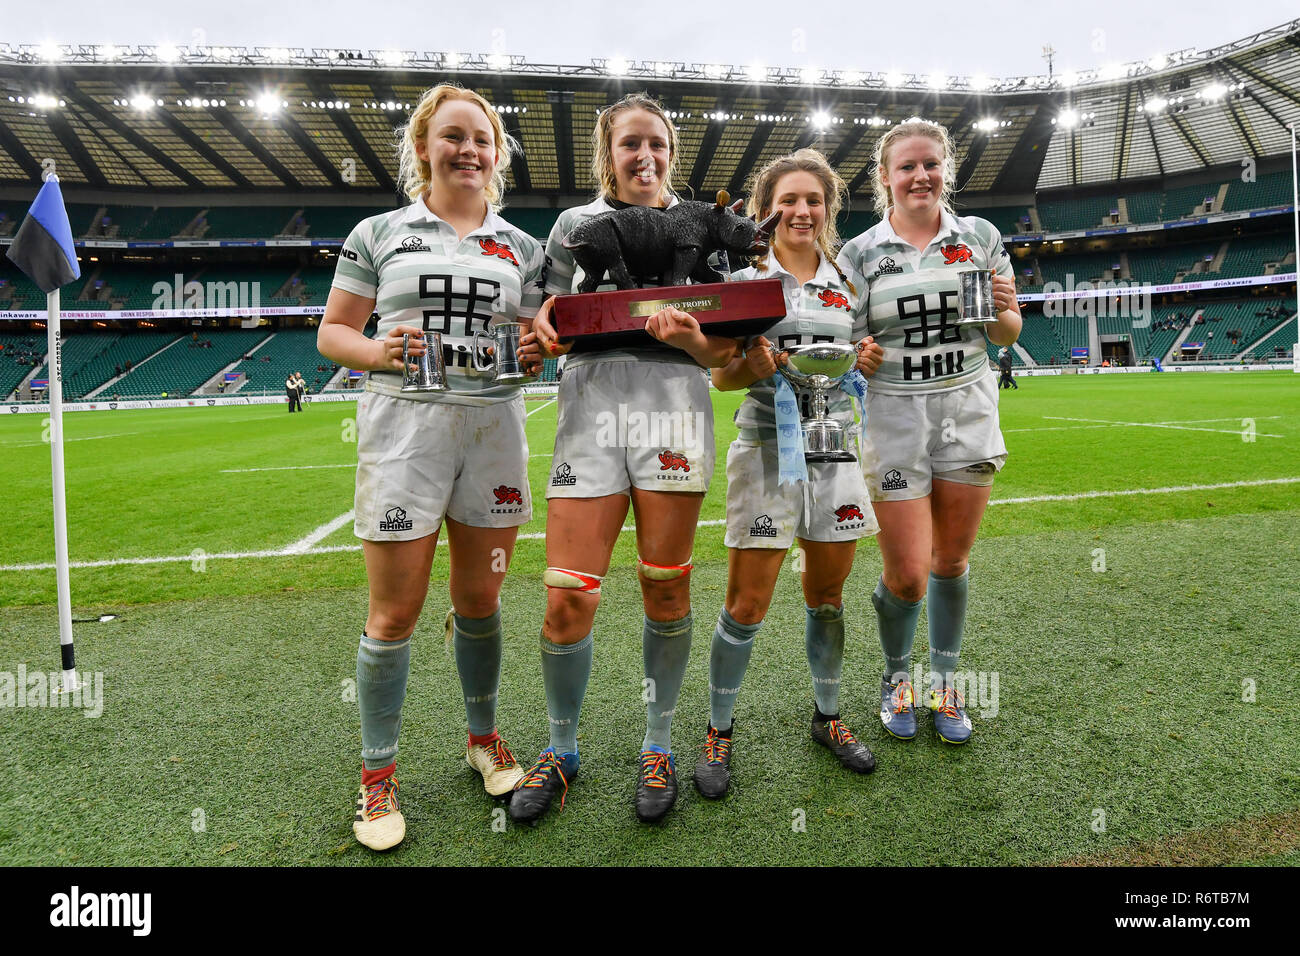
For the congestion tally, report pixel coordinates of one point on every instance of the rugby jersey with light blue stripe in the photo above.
(419, 273)
(819, 310)
(908, 300)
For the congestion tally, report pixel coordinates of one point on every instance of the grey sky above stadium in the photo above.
(999, 39)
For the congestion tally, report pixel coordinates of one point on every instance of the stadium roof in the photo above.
(261, 121)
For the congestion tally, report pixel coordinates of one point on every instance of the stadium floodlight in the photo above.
(267, 103)
(1215, 91)
(167, 53)
(1069, 79)
(50, 52)
(1158, 62)
(756, 72)
(980, 82)
(141, 102)
(936, 81)
(389, 57)
(1067, 118)
(617, 66)
(498, 61)
(1112, 71)
(109, 52)
(852, 78)
(452, 59)
(1154, 105)
(893, 79)
(280, 53)
(809, 75)
(43, 102)
(987, 124)
(821, 120)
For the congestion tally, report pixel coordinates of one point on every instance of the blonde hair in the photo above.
(602, 147)
(762, 194)
(912, 126)
(414, 173)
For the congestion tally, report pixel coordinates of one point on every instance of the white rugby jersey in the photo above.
(908, 299)
(563, 276)
(819, 310)
(419, 273)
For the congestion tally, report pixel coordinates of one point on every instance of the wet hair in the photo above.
(602, 145)
(913, 126)
(414, 173)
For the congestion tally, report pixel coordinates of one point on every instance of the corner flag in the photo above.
(43, 246)
(43, 249)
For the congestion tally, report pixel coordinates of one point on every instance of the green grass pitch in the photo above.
(1136, 704)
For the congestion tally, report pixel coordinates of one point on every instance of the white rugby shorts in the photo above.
(911, 439)
(762, 513)
(418, 462)
(626, 424)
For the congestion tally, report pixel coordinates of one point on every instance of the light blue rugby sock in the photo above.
(665, 649)
(823, 634)
(947, 619)
(477, 645)
(896, 619)
(382, 669)
(566, 668)
(733, 643)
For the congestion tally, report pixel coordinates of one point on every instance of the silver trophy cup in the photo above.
(424, 373)
(975, 297)
(817, 369)
(505, 355)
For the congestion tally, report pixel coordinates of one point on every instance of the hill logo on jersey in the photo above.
(412, 244)
(958, 253)
(672, 461)
(564, 476)
(762, 528)
(893, 481)
(831, 299)
(491, 247)
(848, 513)
(395, 520)
(887, 267)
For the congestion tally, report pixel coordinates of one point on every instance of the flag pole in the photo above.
(1295, 217)
(54, 344)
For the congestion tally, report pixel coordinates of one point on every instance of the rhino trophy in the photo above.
(664, 246)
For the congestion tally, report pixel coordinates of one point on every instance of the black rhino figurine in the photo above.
(666, 246)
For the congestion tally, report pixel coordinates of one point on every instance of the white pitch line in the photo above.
(233, 471)
(1189, 421)
(30, 444)
(302, 545)
(1185, 428)
(539, 408)
(712, 523)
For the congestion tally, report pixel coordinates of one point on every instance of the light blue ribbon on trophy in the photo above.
(789, 434)
(856, 385)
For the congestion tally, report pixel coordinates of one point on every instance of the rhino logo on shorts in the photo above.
(893, 481)
(831, 299)
(762, 528)
(507, 495)
(395, 520)
(672, 461)
(563, 476)
(848, 513)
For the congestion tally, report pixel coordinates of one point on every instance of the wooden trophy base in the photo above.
(598, 321)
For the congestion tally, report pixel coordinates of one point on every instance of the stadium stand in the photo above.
(19, 352)
(1278, 346)
(1271, 189)
(183, 367)
(133, 347)
(289, 350)
(1039, 338)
